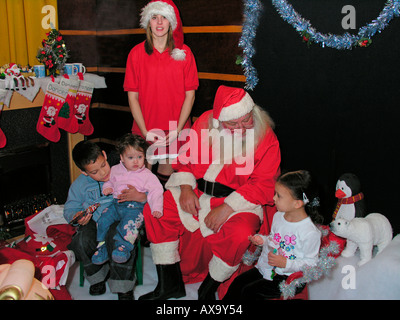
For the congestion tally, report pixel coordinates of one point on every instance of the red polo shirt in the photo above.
(161, 82)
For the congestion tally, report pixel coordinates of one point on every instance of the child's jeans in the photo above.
(130, 217)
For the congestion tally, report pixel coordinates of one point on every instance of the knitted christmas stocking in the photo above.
(3, 139)
(53, 101)
(66, 119)
(82, 105)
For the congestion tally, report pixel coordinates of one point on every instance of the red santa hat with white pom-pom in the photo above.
(169, 10)
(230, 104)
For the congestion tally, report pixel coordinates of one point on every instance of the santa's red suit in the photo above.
(181, 237)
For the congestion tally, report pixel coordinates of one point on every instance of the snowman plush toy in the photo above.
(351, 203)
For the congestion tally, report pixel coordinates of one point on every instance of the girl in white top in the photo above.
(293, 242)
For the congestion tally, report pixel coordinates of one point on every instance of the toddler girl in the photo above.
(294, 240)
(130, 171)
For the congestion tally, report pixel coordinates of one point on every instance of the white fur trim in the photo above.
(178, 178)
(165, 252)
(220, 270)
(238, 203)
(187, 219)
(215, 123)
(178, 54)
(237, 110)
(234, 200)
(158, 7)
(173, 185)
(205, 208)
(213, 171)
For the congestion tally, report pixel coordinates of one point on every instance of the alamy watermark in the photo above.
(49, 20)
(349, 280)
(349, 20)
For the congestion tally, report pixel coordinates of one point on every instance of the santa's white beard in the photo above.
(228, 146)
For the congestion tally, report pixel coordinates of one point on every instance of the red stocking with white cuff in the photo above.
(53, 101)
(82, 105)
(3, 139)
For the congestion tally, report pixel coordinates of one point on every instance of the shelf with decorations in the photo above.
(22, 87)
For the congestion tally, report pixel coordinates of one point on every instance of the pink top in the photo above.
(142, 179)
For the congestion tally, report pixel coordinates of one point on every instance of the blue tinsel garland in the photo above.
(252, 10)
(345, 41)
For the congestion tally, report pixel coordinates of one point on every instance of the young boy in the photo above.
(85, 191)
(131, 170)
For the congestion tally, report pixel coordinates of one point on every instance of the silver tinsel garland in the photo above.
(325, 263)
(252, 10)
(345, 41)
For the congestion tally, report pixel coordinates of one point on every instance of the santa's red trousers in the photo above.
(195, 251)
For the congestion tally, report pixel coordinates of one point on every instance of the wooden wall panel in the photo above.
(82, 49)
(210, 13)
(215, 52)
(77, 15)
(114, 50)
(117, 14)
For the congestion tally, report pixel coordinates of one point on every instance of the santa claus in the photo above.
(216, 197)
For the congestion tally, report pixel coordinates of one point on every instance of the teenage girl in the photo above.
(161, 79)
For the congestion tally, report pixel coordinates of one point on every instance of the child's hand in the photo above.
(157, 214)
(81, 218)
(257, 240)
(276, 260)
(107, 191)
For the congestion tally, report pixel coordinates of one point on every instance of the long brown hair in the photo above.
(149, 45)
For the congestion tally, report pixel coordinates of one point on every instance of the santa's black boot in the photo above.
(208, 288)
(170, 283)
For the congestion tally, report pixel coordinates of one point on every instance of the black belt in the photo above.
(214, 189)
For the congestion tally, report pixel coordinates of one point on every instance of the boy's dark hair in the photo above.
(84, 153)
(132, 140)
(300, 183)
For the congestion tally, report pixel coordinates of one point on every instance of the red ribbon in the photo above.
(349, 200)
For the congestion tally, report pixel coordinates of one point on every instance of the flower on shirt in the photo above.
(132, 228)
(277, 237)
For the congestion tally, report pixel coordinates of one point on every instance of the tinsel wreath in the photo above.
(326, 261)
(252, 10)
(345, 41)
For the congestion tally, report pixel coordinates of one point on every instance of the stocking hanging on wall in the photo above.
(82, 105)
(3, 139)
(66, 119)
(53, 101)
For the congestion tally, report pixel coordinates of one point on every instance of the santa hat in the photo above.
(230, 104)
(169, 10)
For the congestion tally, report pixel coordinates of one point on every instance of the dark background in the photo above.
(336, 111)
